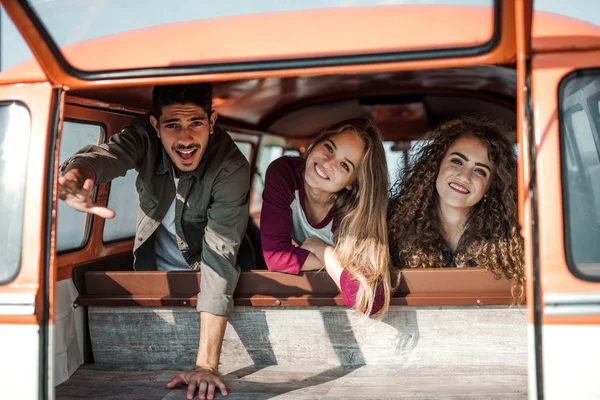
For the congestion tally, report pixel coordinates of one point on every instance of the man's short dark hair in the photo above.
(199, 94)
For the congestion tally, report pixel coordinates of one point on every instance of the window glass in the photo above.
(291, 152)
(585, 10)
(245, 148)
(72, 230)
(400, 155)
(15, 127)
(123, 200)
(13, 48)
(279, 27)
(266, 155)
(580, 152)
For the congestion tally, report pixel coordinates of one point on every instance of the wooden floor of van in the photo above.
(307, 353)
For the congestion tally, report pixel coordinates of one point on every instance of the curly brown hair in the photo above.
(491, 236)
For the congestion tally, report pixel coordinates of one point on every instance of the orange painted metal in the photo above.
(548, 71)
(550, 33)
(458, 34)
(38, 99)
(19, 319)
(572, 320)
(433, 287)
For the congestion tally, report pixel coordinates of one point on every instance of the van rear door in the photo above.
(562, 193)
(27, 119)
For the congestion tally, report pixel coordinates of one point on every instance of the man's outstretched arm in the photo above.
(205, 377)
(102, 163)
(227, 219)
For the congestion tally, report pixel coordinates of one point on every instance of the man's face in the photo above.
(184, 130)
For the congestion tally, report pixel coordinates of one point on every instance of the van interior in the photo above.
(124, 334)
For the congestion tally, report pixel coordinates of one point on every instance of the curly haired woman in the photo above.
(333, 203)
(456, 206)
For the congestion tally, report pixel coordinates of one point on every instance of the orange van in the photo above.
(77, 322)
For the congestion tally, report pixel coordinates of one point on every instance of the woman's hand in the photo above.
(316, 246)
(326, 255)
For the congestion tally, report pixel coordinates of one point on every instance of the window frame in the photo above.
(565, 128)
(499, 41)
(419, 287)
(113, 117)
(88, 219)
(593, 103)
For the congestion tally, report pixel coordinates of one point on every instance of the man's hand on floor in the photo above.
(205, 380)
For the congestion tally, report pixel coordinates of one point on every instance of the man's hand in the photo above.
(76, 189)
(316, 246)
(203, 379)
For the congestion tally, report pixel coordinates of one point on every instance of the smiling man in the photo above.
(193, 186)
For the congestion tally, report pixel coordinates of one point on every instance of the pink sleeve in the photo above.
(350, 287)
(276, 220)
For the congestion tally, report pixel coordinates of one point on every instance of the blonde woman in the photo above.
(333, 204)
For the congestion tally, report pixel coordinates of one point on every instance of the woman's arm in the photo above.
(276, 221)
(342, 278)
(312, 263)
(350, 287)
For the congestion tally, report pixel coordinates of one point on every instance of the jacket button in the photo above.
(140, 238)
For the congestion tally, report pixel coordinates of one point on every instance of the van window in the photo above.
(400, 155)
(291, 152)
(580, 152)
(123, 200)
(69, 23)
(15, 127)
(13, 49)
(72, 231)
(266, 155)
(245, 148)
(586, 10)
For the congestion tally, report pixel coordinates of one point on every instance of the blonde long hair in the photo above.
(361, 237)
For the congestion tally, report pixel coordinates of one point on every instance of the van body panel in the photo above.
(19, 369)
(570, 361)
(548, 72)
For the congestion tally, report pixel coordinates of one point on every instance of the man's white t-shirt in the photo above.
(168, 256)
